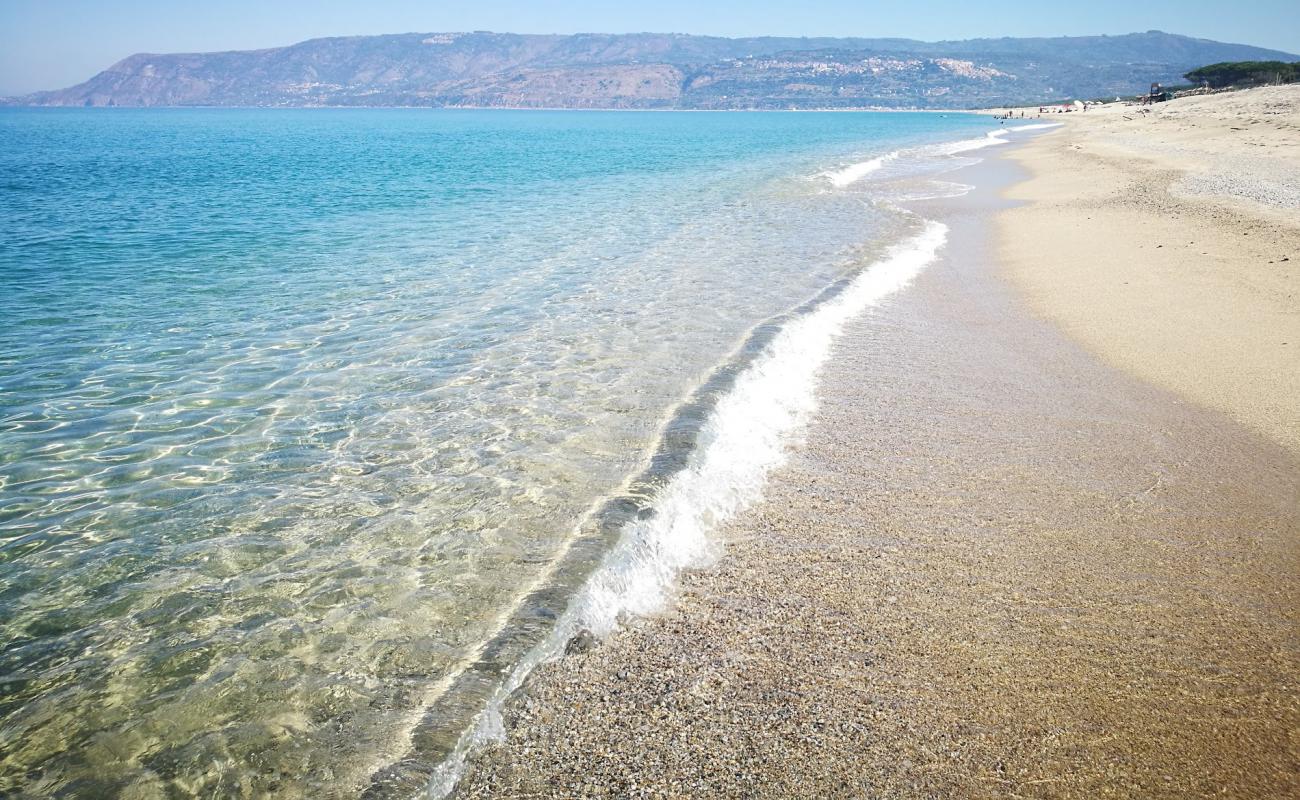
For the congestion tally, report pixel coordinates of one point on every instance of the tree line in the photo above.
(1245, 73)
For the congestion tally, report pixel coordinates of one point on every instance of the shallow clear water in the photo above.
(297, 408)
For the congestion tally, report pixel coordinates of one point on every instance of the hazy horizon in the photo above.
(54, 45)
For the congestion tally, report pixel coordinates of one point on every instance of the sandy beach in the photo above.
(1167, 240)
(1043, 537)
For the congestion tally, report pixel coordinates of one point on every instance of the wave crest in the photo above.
(744, 439)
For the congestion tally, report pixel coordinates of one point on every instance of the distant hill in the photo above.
(647, 70)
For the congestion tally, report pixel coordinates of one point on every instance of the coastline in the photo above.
(993, 565)
(560, 388)
(869, 498)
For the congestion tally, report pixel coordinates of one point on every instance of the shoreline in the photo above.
(751, 402)
(713, 454)
(494, 541)
(876, 624)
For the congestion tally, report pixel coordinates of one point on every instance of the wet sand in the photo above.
(994, 567)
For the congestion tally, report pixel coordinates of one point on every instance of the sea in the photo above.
(319, 428)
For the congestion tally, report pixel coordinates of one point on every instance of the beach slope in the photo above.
(1167, 239)
(996, 565)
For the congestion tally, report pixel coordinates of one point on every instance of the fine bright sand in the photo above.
(1168, 241)
(997, 565)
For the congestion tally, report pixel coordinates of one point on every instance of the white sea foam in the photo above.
(1035, 126)
(853, 173)
(966, 145)
(846, 176)
(932, 189)
(744, 438)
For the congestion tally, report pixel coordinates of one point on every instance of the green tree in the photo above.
(1245, 73)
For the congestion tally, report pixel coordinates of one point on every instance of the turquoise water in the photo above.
(299, 409)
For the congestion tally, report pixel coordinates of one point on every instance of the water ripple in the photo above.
(292, 405)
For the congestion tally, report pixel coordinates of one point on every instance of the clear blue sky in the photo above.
(48, 44)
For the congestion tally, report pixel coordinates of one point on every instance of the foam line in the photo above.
(744, 439)
(1035, 126)
(855, 172)
(966, 145)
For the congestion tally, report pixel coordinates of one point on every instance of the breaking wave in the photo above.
(744, 438)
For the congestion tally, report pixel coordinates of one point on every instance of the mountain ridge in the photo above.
(649, 70)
